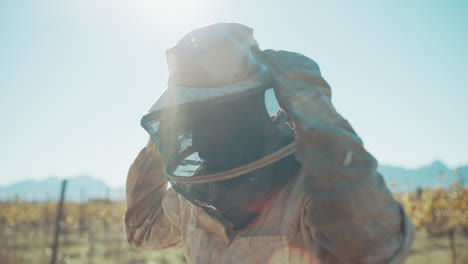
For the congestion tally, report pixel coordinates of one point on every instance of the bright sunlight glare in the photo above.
(168, 13)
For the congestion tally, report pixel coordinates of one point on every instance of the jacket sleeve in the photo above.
(152, 218)
(350, 213)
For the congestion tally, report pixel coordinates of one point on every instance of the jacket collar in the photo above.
(211, 221)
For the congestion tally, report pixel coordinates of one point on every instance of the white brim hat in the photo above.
(211, 63)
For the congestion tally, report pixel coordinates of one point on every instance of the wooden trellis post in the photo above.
(57, 223)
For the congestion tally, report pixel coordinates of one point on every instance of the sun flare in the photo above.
(169, 12)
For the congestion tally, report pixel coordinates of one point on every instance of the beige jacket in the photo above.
(337, 209)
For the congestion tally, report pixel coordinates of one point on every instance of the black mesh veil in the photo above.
(172, 132)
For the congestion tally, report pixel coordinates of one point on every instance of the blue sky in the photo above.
(76, 76)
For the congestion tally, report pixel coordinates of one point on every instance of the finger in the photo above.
(267, 58)
(258, 55)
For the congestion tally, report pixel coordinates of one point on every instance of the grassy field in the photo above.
(97, 246)
(110, 246)
(93, 233)
(436, 250)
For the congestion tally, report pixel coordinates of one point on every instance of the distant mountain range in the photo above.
(431, 176)
(79, 188)
(85, 187)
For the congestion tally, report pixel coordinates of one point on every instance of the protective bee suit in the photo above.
(315, 191)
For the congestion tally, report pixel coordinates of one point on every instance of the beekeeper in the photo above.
(228, 179)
